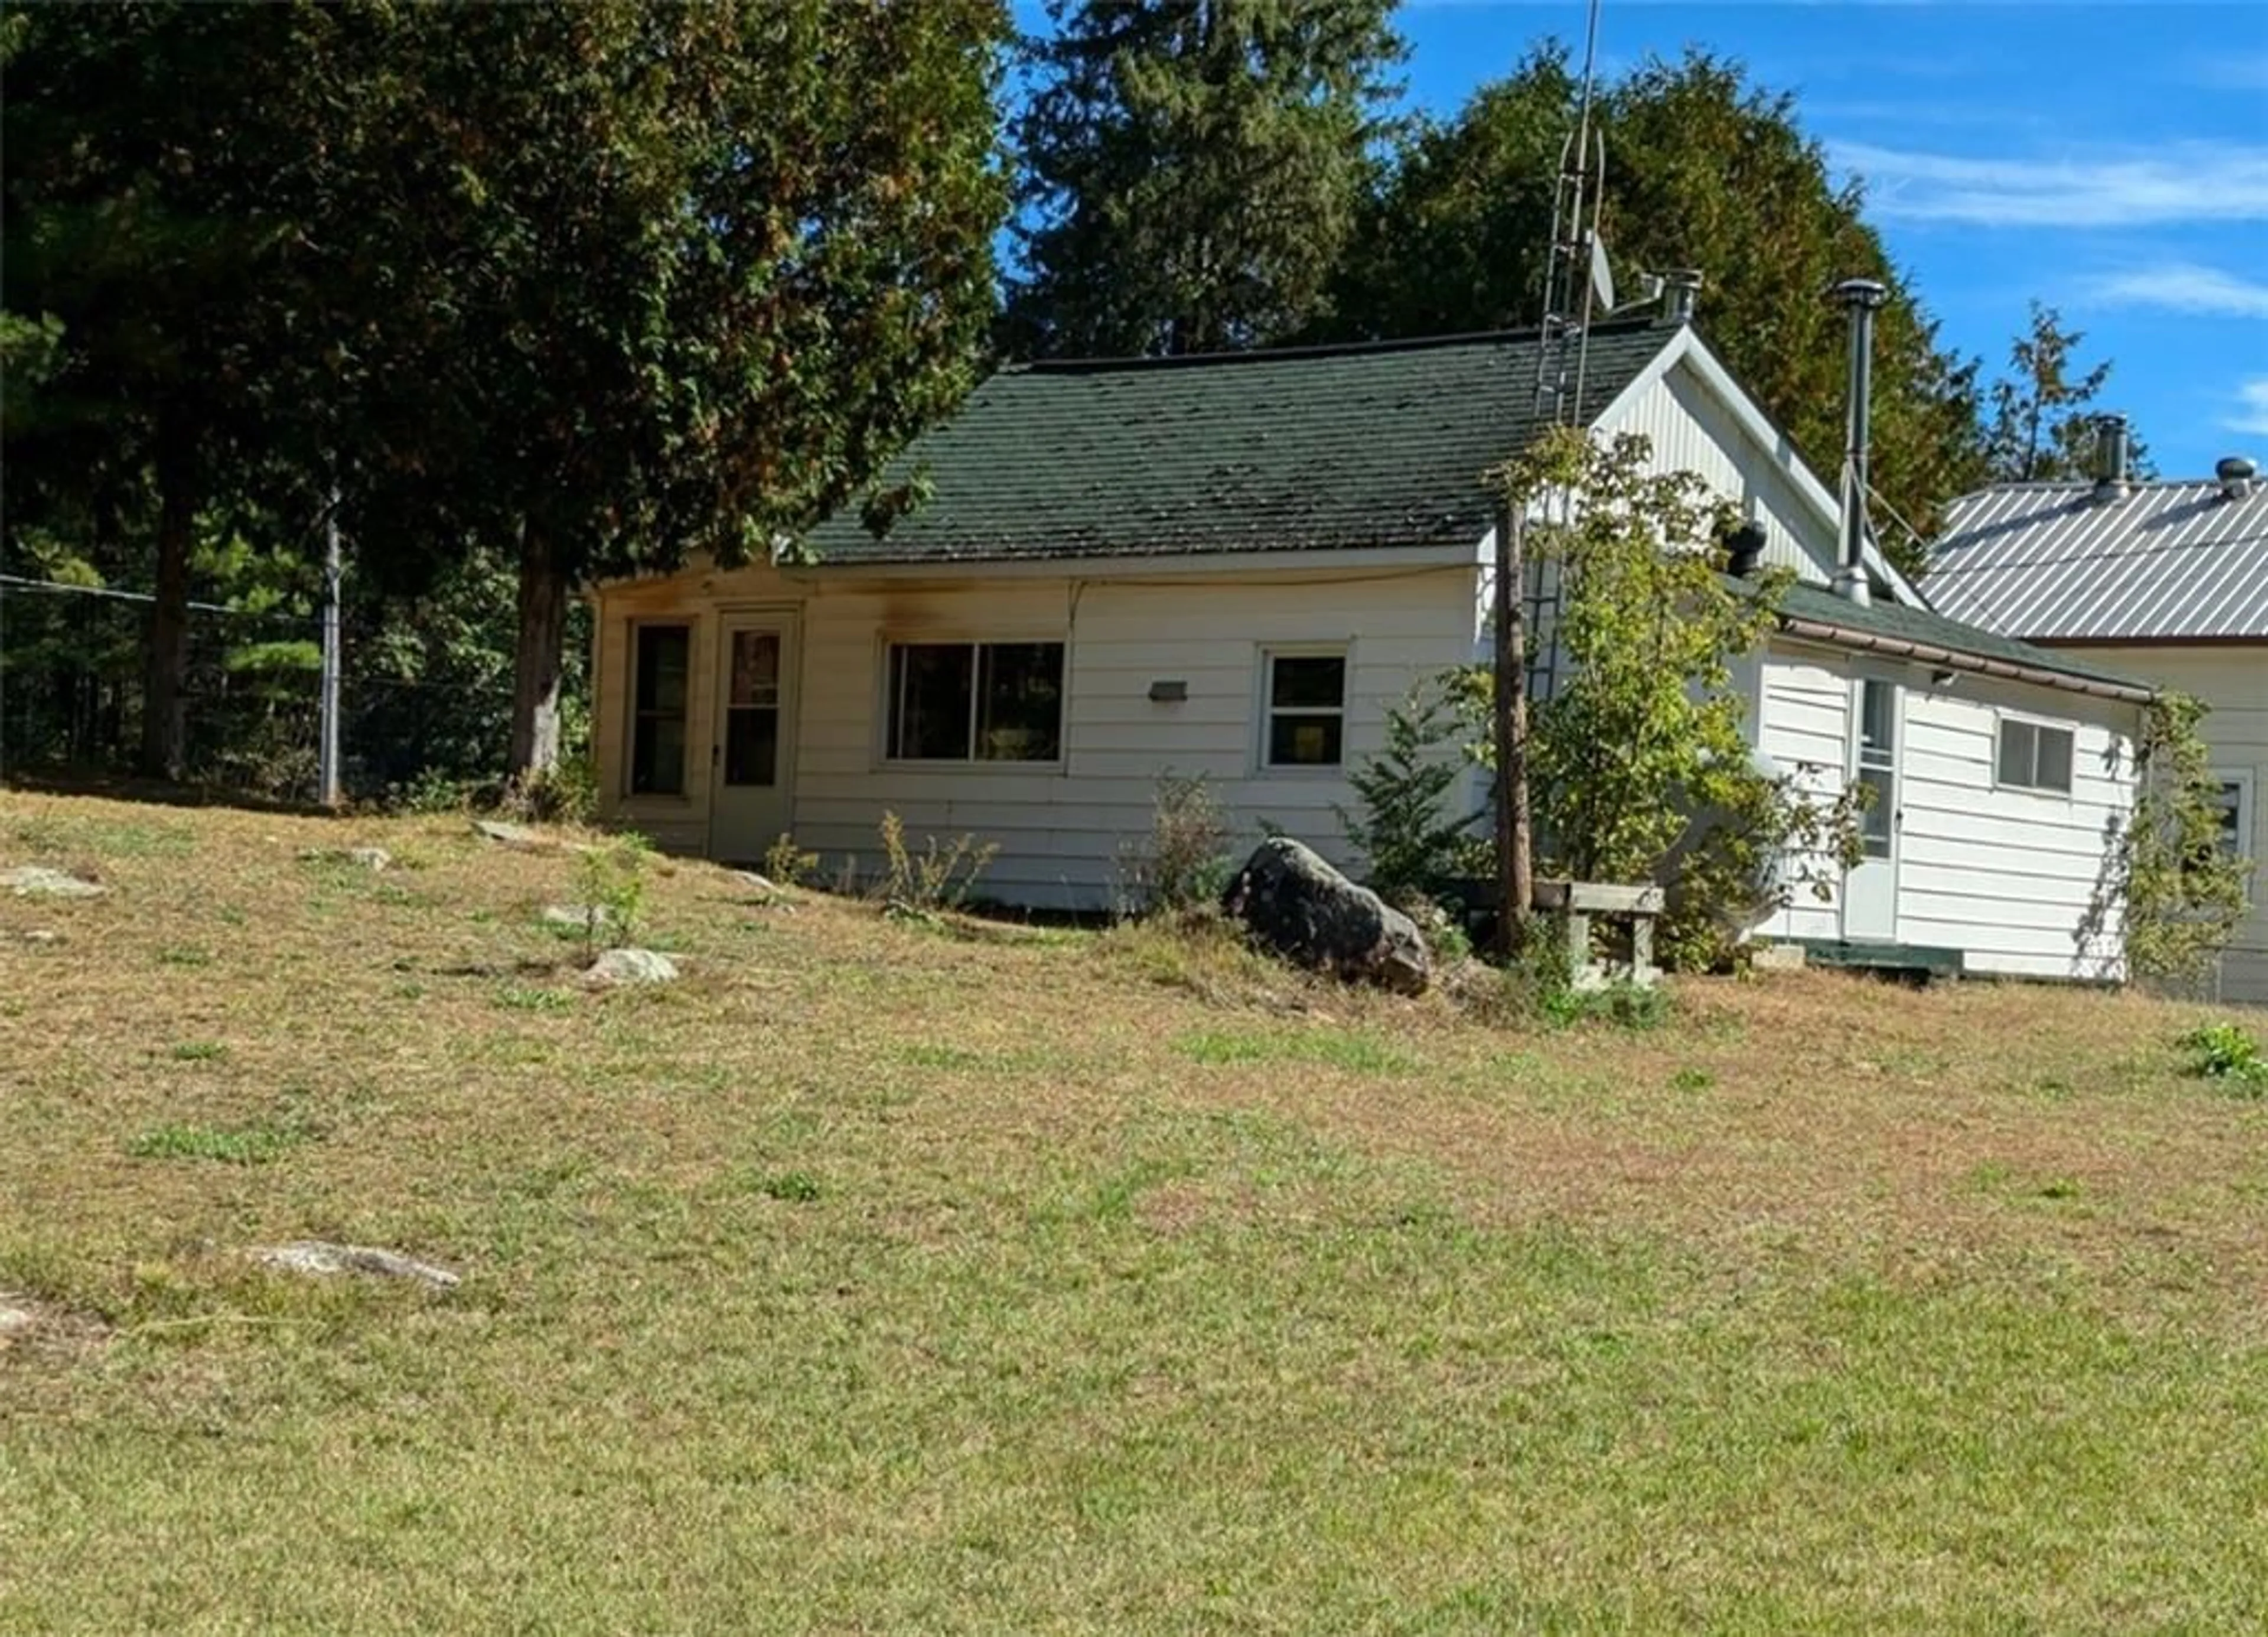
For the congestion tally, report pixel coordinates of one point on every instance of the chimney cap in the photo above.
(2235, 472)
(1861, 292)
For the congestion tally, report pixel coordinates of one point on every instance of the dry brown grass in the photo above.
(882, 1274)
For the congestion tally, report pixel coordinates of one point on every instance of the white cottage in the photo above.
(1234, 566)
(2163, 581)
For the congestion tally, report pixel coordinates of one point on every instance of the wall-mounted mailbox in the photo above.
(1169, 692)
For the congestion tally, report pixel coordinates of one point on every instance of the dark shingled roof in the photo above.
(1375, 445)
(1895, 624)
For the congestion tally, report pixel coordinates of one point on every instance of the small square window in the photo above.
(2033, 755)
(1307, 710)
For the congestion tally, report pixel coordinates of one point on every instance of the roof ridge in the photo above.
(2047, 486)
(1320, 349)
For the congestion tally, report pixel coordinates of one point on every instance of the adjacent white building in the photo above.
(2167, 581)
(1234, 566)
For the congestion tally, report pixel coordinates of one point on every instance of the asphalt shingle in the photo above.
(1379, 445)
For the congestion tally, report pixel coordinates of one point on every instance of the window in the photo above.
(975, 701)
(659, 664)
(752, 710)
(2033, 756)
(1307, 710)
(2230, 796)
(1878, 740)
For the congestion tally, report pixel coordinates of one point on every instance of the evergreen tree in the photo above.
(1192, 170)
(1703, 170)
(2044, 413)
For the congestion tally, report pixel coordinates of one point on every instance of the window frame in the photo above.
(2037, 724)
(886, 723)
(635, 718)
(2240, 778)
(1267, 711)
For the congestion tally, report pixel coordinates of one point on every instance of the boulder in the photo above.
(632, 966)
(321, 1256)
(1304, 910)
(37, 880)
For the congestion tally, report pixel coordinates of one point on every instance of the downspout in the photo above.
(1859, 297)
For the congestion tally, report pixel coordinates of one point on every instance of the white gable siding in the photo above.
(1691, 430)
(1060, 830)
(2233, 681)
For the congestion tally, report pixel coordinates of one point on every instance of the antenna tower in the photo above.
(1576, 266)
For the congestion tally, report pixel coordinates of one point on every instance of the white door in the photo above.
(1870, 892)
(752, 759)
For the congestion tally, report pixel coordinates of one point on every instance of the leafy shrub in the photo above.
(565, 793)
(1183, 863)
(2226, 1053)
(937, 878)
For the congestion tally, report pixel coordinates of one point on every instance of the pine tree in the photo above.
(2043, 414)
(1192, 170)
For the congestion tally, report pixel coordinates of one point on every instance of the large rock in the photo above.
(1306, 911)
(632, 966)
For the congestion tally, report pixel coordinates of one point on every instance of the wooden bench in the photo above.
(1579, 903)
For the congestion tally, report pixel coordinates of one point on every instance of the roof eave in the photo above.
(1976, 664)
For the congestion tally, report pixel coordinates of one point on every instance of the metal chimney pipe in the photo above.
(1859, 297)
(2113, 457)
(1680, 289)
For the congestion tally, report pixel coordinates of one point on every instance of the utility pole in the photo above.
(1515, 858)
(328, 775)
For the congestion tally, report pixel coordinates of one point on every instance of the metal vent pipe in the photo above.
(1859, 297)
(2114, 458)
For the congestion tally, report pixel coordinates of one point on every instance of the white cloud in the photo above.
(2195, 181)
(2252, 408)
(2183, 287)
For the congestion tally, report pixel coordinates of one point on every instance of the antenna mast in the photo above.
(1577, 260)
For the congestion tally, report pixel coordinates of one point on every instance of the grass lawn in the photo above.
(885, 1277)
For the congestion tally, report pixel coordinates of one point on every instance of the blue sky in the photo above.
(2111, 160)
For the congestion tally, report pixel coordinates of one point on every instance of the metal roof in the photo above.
(2164, 563)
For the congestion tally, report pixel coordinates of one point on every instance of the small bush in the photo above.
(611, 878)
(566, 792)
(787, 865)
(1414, 850)
(1183, 863)
(790, 1187)
(2226, 1053)
(937, 878)
(434, 791)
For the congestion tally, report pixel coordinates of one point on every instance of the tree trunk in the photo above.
(1516, 846)
(537, 657)
(165, 688)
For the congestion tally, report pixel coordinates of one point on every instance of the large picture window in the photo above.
(975, 701)
(1307, 710)
(660, 658)
(2033, 755)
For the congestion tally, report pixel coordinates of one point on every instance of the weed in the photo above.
(1624, 1005)
(787, 865)
(518, 998)
(2225, 1052)
(1184, 862)
(939, 877)
(1692, 1080)
(790, 1187)
(184, 955)
(197, 1051)
(250, 1145)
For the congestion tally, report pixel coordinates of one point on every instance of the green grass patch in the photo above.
(249, 1145)
(196, 1051)
(525, 998)
(1341, 1048)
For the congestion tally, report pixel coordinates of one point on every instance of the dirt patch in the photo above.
(32, 1329)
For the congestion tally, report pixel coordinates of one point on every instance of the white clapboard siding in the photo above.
(2233, 680)
(1062, 830)
(1691, 430)
(1803, 725)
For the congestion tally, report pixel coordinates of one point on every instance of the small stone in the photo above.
(321, 1256)
(37, 880)
(43, 935)
(581, 917)
(632, 966)
(506, 834)
(764, 887)
(370, 857)
(14, 1320)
